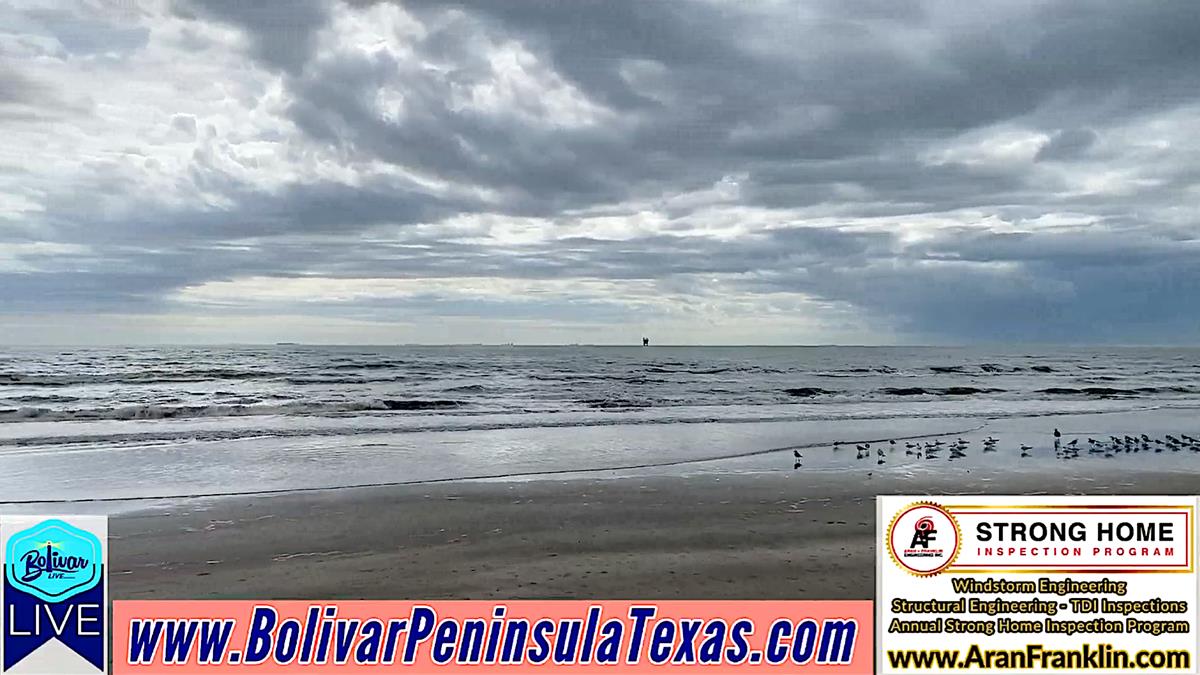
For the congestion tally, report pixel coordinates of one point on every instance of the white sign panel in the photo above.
(1036, 584)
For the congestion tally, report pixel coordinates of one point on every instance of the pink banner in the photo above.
(582, 636)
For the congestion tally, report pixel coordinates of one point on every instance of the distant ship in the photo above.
(285, 344)
(645, 342)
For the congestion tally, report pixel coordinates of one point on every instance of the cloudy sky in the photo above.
(591, 171)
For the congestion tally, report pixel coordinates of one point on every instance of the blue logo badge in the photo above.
(53, 561)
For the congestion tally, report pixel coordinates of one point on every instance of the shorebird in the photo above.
(1057, 433)
(796, 454)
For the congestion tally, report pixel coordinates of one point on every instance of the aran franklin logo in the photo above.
(924, 539)
(54, 594)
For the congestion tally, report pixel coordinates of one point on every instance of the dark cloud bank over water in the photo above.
(865, 172)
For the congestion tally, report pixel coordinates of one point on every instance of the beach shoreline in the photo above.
(716, 536)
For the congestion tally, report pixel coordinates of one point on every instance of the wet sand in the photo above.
(780, 534)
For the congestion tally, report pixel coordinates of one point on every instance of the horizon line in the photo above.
(950, 345)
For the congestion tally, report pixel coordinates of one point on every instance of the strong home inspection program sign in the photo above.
(1036, 584)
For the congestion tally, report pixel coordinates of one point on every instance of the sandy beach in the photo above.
(762, 535)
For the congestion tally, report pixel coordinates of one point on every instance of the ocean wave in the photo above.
(341, 379)
(418, 404)
(1116, 392)
(488, 423)
(939, 391)
(41, 399)
(615, 403)
(696, 370)
(474, 399)
(164, 412)
(469, 388)
(807, 392)
(811, 392)
(370, 365)
(988, 369)
(857, 372)
(142, 377)
(687, 371)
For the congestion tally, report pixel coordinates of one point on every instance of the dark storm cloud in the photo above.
(319, 208)
(1068, 144)
(826, 116)
(719, 104)
(283, 33)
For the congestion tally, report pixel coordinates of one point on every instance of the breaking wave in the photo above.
(162, 412)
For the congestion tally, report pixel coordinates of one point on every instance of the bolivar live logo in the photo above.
(54, 595)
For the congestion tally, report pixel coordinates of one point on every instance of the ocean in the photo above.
(149, 422)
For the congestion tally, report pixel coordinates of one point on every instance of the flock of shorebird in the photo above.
(1114, 445)
(1128, 444)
